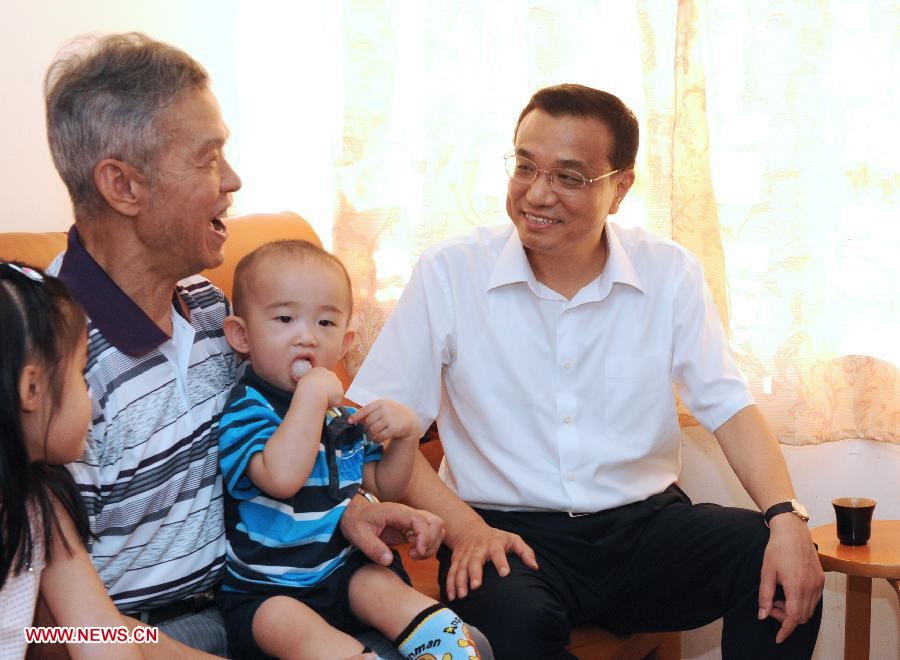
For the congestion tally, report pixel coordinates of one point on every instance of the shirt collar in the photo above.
(512, 265)
(121, 321)
(279, 399)
(619, 267)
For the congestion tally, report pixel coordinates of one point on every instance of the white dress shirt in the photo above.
(545, 403)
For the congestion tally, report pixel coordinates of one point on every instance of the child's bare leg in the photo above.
(414, 621)
(379, 598)
(286, 628)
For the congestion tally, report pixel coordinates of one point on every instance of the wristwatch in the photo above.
(791, 506)
(369, 495)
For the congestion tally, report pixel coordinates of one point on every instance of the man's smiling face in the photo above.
(564, 224)
(193, 187)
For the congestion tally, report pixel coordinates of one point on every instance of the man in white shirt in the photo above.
(546, 351)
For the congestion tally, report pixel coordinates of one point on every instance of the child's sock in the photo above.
(436, 632)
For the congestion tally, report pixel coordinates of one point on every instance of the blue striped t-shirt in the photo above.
(295, 542)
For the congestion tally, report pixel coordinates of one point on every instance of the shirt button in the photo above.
(570, 476)
(567, 364)
(567, 419)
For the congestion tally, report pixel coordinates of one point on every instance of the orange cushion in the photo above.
(250, 231)
(33, 248)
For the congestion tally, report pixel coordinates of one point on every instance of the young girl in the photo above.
(44, 411)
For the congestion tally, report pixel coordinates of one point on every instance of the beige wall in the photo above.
(31, 194)
(273, 52)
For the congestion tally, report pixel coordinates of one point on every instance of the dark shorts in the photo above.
(330, 599)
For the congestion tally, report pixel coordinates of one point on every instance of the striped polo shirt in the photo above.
(295, 542)
(149, 473)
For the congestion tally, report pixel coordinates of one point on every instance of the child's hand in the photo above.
(321, 380)
(385, 420)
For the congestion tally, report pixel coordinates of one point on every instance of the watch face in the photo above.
(800, 510)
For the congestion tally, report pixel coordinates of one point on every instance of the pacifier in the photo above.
(299, 369)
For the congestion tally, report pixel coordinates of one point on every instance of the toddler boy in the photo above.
(292, 458)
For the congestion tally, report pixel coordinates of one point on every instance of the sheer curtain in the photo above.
(769, 149)
(801, 105)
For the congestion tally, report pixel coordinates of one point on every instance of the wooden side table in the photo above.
(880, 558)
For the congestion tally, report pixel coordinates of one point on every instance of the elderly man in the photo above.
(138, 138)
(547, 350)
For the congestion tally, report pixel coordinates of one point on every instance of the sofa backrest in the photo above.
(244, 234)
(250, 231)
(32, 248)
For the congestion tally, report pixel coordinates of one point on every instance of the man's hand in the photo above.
(791, 561)
(477, 546)
(385, 420)
(372, 527)
(790, 558)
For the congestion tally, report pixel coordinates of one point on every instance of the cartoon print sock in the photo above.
(436, 633)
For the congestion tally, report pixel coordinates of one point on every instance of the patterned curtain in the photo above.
(769, 149)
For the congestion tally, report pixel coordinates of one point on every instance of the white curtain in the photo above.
(768, 147)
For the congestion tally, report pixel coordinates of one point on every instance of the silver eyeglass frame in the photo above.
(553, 180)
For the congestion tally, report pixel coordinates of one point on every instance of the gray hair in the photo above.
(106, 102)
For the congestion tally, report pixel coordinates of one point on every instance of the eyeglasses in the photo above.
(524, 170)
(28, 272)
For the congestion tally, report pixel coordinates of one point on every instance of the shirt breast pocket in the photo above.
(350, 464)
(637, 396)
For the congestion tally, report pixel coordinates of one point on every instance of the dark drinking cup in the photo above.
(854, 519)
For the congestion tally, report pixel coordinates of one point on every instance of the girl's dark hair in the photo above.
(39, 322)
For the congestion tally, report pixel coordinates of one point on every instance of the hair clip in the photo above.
(27, 271)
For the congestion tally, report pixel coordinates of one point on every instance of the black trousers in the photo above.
(663, 564)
